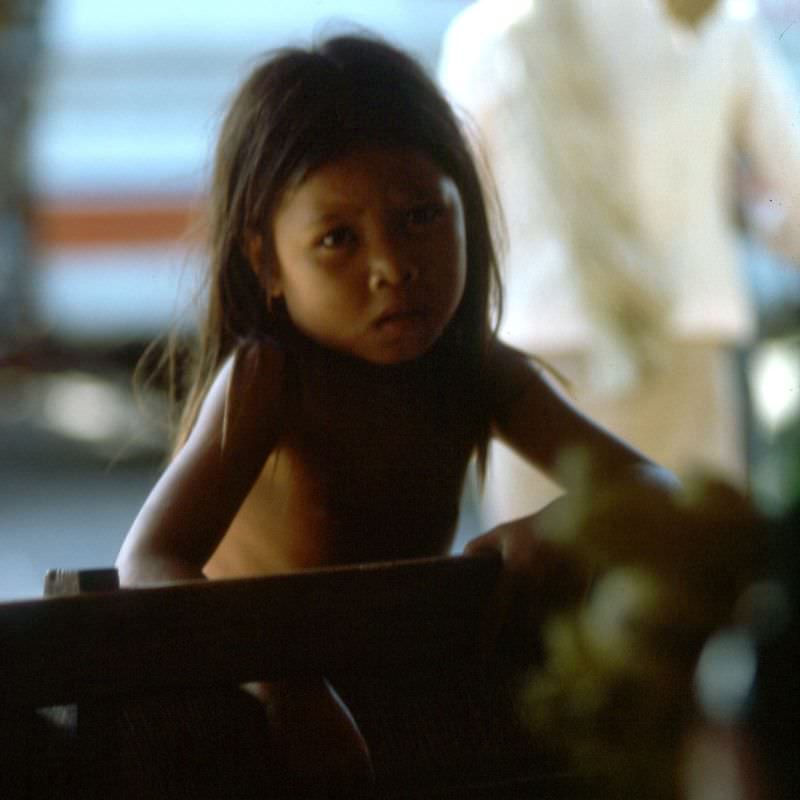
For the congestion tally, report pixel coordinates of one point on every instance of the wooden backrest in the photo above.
(410, 646)
(367, 618)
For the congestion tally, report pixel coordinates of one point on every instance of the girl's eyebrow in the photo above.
(329, 213)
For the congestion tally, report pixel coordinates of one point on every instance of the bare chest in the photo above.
(382, 441)
(373, 472)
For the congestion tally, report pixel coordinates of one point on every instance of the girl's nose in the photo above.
(389, 268)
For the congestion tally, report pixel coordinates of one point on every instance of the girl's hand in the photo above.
(515, 541)
(545, 567)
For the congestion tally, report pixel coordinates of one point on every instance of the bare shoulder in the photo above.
(513, 374)
(256, 371)
(244, 401)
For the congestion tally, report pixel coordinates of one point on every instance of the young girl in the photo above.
(347, 369)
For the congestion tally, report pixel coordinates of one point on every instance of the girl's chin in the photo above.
(400, 352)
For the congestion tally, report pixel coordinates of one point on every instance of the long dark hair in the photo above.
(299, 109)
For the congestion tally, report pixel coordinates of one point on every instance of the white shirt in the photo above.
(610, 116)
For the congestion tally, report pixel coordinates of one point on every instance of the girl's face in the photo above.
(371, 254)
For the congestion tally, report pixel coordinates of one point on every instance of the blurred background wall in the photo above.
(107, 113)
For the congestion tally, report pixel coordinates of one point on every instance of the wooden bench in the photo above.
(134, 693)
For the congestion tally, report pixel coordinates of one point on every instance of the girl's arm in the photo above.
(186, 516)
(193, 503)
(540, 423)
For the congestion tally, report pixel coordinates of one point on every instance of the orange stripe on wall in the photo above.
(92, 225)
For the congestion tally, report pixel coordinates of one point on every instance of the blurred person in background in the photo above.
(629, 142)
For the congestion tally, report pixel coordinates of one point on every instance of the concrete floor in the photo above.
(61, 506)
(67, 494)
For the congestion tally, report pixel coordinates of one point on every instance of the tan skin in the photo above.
(371, 264)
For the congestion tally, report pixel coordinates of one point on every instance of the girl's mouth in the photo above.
(400, 317)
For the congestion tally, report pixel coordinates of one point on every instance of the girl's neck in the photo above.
(315, 355)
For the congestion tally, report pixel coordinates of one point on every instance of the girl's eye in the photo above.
(338, 237)
(423, 215)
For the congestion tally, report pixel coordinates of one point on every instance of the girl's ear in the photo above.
(275, 288)
(266, 270)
